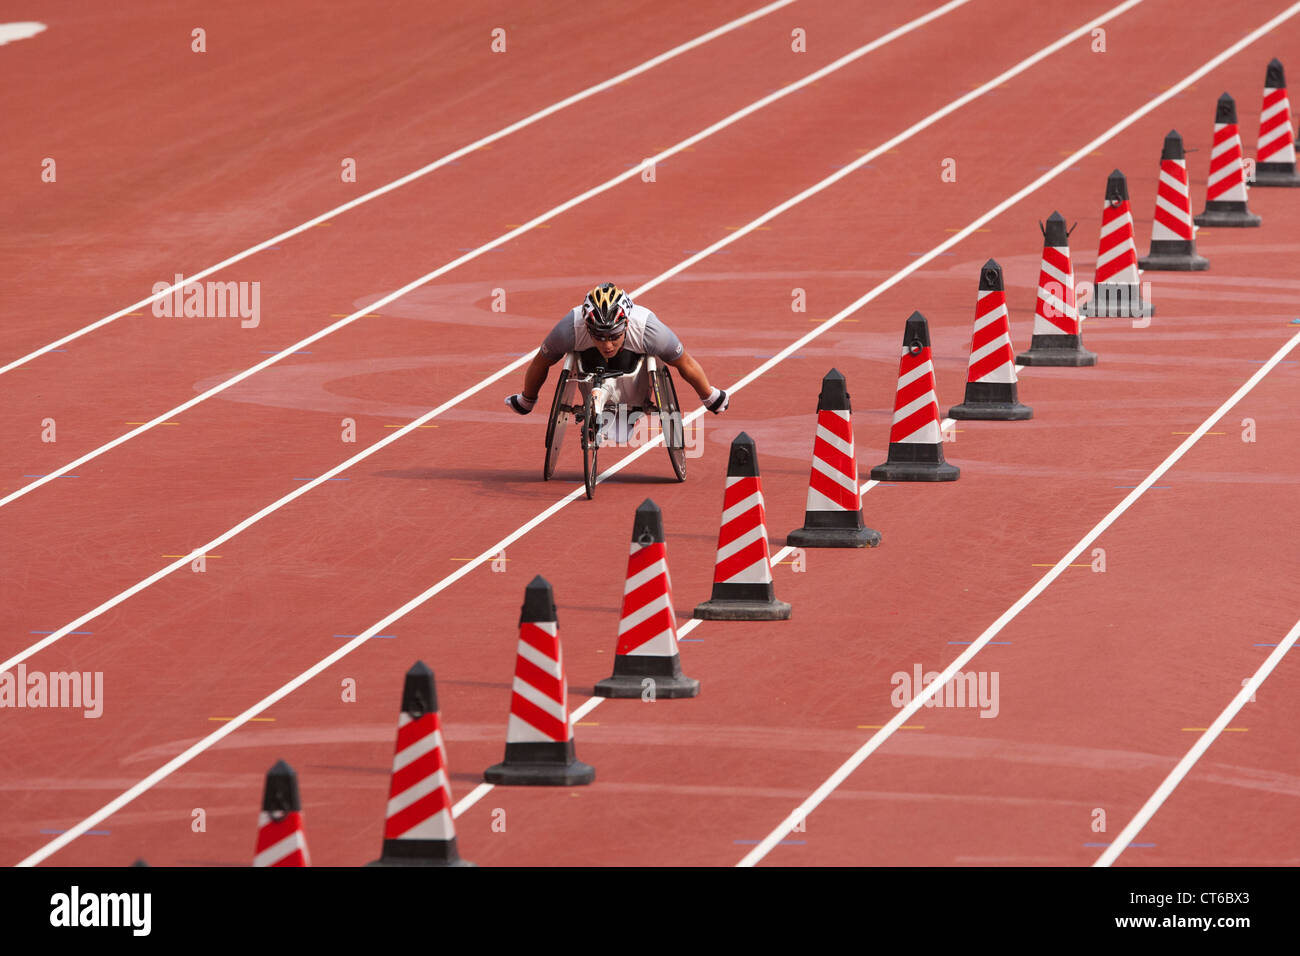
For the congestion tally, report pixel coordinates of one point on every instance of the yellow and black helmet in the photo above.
(606, 311)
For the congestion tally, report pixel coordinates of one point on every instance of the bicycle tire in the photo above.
(556, 426)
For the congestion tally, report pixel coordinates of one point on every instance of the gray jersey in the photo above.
(646, 335)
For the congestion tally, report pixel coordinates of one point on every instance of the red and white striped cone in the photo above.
(647, 628)
(833, 516)
(1225, 191)
(1117, 288)
(1057, 338)
(1275, 157)
(281, 840)
(418, 829)
(539, 735)
(1173, 236)
(915, 443)
(742, 572)
(991, 391)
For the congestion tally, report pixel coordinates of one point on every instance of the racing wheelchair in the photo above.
(580, 398)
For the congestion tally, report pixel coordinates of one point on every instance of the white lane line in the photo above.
(171, 766)
(474, 389)
(1202, 744)
(527, 227)
(843, 772)
(417, 174)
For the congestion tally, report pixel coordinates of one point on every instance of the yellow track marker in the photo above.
(882, 727)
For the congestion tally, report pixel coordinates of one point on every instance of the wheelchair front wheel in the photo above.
(590, 444)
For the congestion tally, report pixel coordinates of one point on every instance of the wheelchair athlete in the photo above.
(608, 331)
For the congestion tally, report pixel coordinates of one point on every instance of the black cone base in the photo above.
(540, 765)
(991, 412)
(743, 602)
(910, 461)
(743, 610)
(626, 687)
(1173, 255)
(1184, 262)
(915, 471)
(1276, 174)
(1116, 302)
(1227, 214)
(855, 537)
(1057, 350)
(631, 671)
(420, 853)
(991, 401)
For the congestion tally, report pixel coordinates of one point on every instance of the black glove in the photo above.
(717, 401)
(521, 404)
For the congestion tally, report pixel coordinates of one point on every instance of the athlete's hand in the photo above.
(717, 401)
(520, 403)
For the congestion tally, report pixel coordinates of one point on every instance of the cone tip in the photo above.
(742, 462)
(834, 375)
(647, 506)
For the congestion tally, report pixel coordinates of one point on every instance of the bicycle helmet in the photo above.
(605, 311)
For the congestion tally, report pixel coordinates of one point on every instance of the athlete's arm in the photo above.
(535, 375)
(554, 347)
(714, 399)
(693, 374)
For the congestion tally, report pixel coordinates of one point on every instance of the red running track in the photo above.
(1102, 671)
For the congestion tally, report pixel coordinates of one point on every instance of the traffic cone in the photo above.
(281, 840)
(1275, 157)
(647, 628)
(1057, 339)
(418, 829)
(1225, 192)
(991, 374)
(742, 572)
(1173, 236)
(539, 735)
(915, 444)
(1116, 288)
(833, 515)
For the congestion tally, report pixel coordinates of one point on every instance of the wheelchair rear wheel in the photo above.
(670, 420)
(555, 426)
